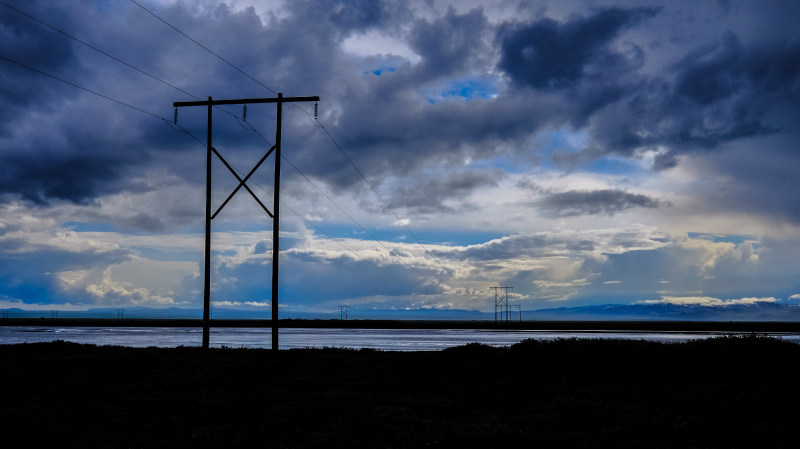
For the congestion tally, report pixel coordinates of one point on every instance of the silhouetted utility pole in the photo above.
(343, 311)
(242, 183)
(500, 300)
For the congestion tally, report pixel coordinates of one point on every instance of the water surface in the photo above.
(382, 339)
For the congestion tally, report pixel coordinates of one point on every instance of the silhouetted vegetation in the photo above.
(722, 392)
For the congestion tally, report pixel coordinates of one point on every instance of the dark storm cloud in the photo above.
(19, 88)
(717, 92)
(90, 147)
(755, 183)
(448, 44)
(429, 195)
(721, 93)
(74, 176)
(550, 55)
(583, 72)
(350, 15)
(59, 141)
(388, 124)
(594, 202)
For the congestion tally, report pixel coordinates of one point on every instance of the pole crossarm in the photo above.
(179, 104)
(242, 182)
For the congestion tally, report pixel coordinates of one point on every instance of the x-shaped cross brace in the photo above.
(242, 182)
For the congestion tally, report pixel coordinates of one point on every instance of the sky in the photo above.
(582, 152)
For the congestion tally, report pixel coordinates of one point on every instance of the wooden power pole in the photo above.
(242, 183)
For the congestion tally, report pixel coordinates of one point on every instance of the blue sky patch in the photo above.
(398, 234)
(79, 226)
(612, 165)
(468, 89)
(717, 238)
(465, 89)
(381, 71)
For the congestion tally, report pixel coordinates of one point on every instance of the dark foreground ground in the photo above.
(721, 393)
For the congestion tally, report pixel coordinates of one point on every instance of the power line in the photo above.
(95, 48)
(320, 230)
(203, 47)
(121, 61)
(351, 218)
(346, 247)
(83, 88)
(183, 130)
(386, 204)
(253, 129)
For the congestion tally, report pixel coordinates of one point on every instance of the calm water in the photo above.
(383, 339)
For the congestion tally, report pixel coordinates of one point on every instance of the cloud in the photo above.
(448, 44)
(550, 55)
(705, 301)
(586, 243)
(549, 284)
(29, 262)
(48, 51)
(110, 291)
(430, 194)
(609, 202)
(721, 93)
(240, 303)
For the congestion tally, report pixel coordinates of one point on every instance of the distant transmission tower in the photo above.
(501, 300)
(343, 311)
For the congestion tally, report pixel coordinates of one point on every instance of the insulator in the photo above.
(244, 114)
(176, 116)
(316, 110)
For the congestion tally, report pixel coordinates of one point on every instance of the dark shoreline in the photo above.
(585, 326)
(722, 392)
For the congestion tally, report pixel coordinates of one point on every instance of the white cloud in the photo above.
(107, 290)
(376, 43)
(705, 301)
(550, 284)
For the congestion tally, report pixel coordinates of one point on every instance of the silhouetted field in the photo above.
(726, 392)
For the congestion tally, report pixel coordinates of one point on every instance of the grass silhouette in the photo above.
(720, 392)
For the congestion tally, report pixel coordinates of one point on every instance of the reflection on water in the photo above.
(383, 339)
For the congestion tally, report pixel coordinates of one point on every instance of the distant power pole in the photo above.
(242, 183)
(500, 300)
(343, 311)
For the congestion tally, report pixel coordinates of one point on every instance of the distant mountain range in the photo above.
(762, 311)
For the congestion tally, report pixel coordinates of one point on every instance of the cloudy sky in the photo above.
(582, 152)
